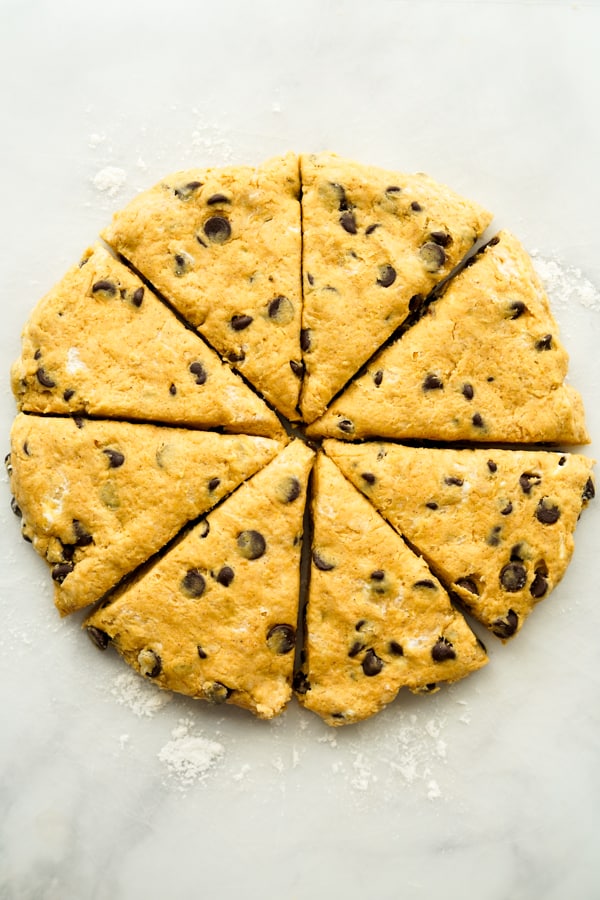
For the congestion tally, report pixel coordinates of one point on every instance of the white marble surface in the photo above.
(488, 789)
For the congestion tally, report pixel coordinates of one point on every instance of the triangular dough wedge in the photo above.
(377, 619)
(496, 526)
(374, 244)
(223, 246)
(100, 497)
(101, 343)
(215, 618)
(484, 364)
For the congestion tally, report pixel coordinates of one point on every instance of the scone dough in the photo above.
(216, 617)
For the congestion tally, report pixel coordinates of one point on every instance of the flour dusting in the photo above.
(109, 180)
(189, 757)
(142, 698)
(566, 286)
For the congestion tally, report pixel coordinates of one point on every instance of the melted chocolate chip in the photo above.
(432, 382)
(251, 544)
(371, 664)
(193, 583)
(199, 372)
(281, 639)
(322, 563)
(104, 287)
(467, 391)
(348, 222)
(528, 480)
(44, 379)
(217, 229)
(115, 458)
(513, 577)
(505, 627)
(433, 256)
(239, 323)
(387, 276)
(442, 650)
(98, 637)
(546, 512)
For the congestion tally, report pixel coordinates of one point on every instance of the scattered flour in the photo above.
(189, 757)
(566, 286)
(109, 180)
(95, 140)
(139, 696)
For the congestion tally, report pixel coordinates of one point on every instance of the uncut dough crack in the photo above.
(495, 525)
(377, 618)
(215, 618)
(101, 343)
(485, 363)
(100, 497)
(223, 246)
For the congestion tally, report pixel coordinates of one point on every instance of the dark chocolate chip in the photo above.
(115, 458)
(201, 652)
(217, 229)
(371, 664)
(172, 390)
(546, 512)
(251, 544)
(467, 391)
(493, 538)
(83, 538)
(348, 222)
(393, 189)
(356, 648)
(193, 583)
(238, 323)
(281, 639)
(104, 287)
(368, 477)
(44, 379)
(204, 528)
(346, 425)
(513, 577)
(378, 377)
(416, 206)
(61, 570)
(138, 297)
(360, 624)
(528, 480)
(416, 302)
(431, 504)
(477, 421)
(310, 279)
(305, 339)
(297, 367)
(468, 584)
(544, 343)
(183, 263)
(8, 463)
(150, 663)
(562, 460)
(387, 276)
(371, 228)
(506, 511)
(516, 309)
(492, 466)
(442, 650)
(441, 237)
(15, 508)
(341, 197)
(433, 256)
(214, 483)
(425, 583)
(216, 692)
(78, 421)
(68, 394)
(185, 191)
(589, 491)
(517, 552)
(454, 479)
(378, 575)
(281, 310)
(199, 372)
(395, 648)
(98, 637)
(539, 586)
(290, 489)
(38, 354)
(505, 627)
(217, 198)
(235, 356)
(321, 563)
(225, 576)
(432, 382)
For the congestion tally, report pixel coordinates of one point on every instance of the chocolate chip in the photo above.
(360, 624)
(16, 509)
(204, 528)
(393, 189)
(356, 648)
(493, 538)
(395, 648)
(193, 583)
(214, 483)
(348, 222)
(506, 627)
(562, 460)
(432, 382)
(477, 421)
(44, 379)
(281, 310)
(544, 343)
(454, 479)
(183, 263)
(68, 394)
(431, 504)
(217, 229)
(216, 692)
(378, 377)
(236, 356)
(416, 206)
(492, 466)
(340, 193)
(517, 552)
(185, 191)
(251, 544)
(433, 256)
(506, 511)
(589, 491)
(238, 323)
(199, 372)
(300, 683)
(441, 237)
(297, 367)
(371, 664)
(98, 637)
(150, 663)
(225, 576)
(104, 287)
(61, 570)
(78, 421)
(371, 228)
(346, 425)
(172, 390)
(516, 309)
(442, 650)
(322, 563)
(217, 198)
(467, 391)
(425, 583)
(513, 577)
(305, 339)
(546, 512)
(281, 639)
(529, 480)
(115, 458)
(378, 575)
(468, 584)
(368, 477)
(416, 302)
(8, 463)
(83, 538)
(387, 276)
(201, 652)
(539, 586)
(290, 489)
(138, 297)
